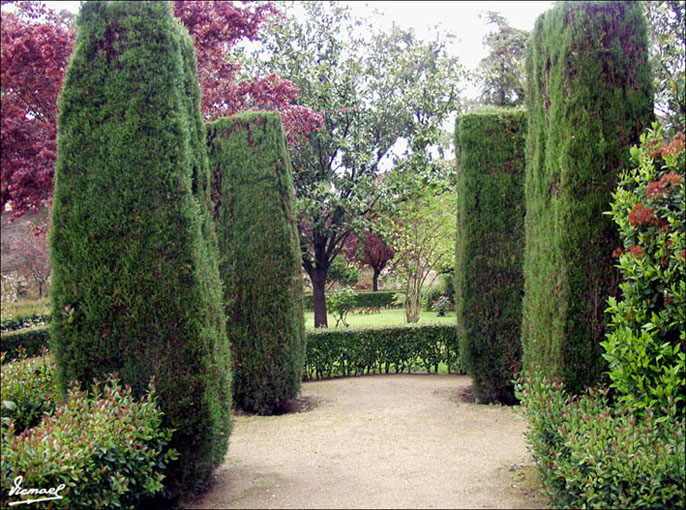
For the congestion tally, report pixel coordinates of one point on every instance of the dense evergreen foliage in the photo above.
(490, 245)
(260, 266)
(356, 351)
(135, 283)
(589, 96)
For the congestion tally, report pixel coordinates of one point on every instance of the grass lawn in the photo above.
(392, 317)
(27, 307)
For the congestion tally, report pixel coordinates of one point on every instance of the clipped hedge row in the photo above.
(25, 321)
(30, 340)
(589, 97)
(378, 299)
(357, 351)
(490, 245)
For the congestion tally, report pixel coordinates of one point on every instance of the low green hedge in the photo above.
(97, 450)
(25, 321)
(31, 340)
(378, 299)
(356, 351)
(593, 455)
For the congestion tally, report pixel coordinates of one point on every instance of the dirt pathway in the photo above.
(392, 441)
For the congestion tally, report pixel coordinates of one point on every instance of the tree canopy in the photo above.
(373, 89)
(36, 44)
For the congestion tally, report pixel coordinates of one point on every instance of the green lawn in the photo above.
(393, 317)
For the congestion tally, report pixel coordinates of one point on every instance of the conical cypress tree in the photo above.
(490, 246)
(589, 97)
(260, 265)
(135, 283)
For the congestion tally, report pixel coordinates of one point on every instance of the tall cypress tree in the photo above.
(589, 96)
(490, 246)
(260, 265)
(135, 283)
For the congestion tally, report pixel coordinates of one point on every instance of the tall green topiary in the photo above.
(490, 245)
(589, 96)
(135, 282)
(260, 265)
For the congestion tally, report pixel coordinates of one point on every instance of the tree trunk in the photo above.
(375, 280)
(318, 278)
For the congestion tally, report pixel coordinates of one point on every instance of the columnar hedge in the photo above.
(135, 283)
(589, 96)
(490, 246)
(260, 266)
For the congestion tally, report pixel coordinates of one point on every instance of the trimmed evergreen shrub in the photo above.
(589, 97)
(357, 351)
(25, 321)
(490, 245)
(260, 265)
(135, 283)
(29, 340)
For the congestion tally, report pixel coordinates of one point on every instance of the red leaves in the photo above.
(642, 215)
(36, 44)
(637, 251)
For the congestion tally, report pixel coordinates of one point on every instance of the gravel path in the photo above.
(385, 441)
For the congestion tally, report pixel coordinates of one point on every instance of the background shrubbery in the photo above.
(367, 299)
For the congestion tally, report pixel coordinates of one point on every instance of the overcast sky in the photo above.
(460, 18)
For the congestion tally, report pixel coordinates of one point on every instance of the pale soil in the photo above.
(391, 441)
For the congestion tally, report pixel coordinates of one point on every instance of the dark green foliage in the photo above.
(489, 250)
(104, 448)
(364, 299)
(356, 351)
(22, 322)
(135, 283)
(260, 266)
(589, 97)
(591, 455)
(30, 340)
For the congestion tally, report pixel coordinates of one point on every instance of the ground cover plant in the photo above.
(490, 243)
(252, 192)
(589, 97)
(135, 283)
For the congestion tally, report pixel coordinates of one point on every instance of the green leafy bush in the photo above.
(29, 390)
(340, 303)
(342, 272)
(591, 455)
(356, 351)
(490, 244)
(105, 448)
(589, 96)
(645, 348)
(135, 283)
(260, 258)
(25, 321)
(30, 340)
(367, 299)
